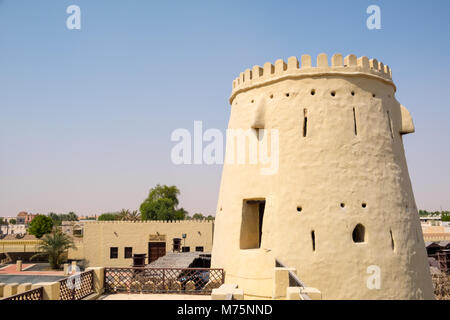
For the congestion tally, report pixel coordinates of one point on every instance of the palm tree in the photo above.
(127, 215)
(55, 246)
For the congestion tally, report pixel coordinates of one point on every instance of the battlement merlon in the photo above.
(350, 65)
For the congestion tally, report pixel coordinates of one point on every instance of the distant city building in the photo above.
(25, 217)
(13, 229)
(87, 218)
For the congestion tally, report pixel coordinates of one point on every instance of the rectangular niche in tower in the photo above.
(252, 223)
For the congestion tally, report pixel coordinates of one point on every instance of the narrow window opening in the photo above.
(342, 205)
(113, 252)
(305, 122)
(128, 252)
(299, 209)
(333, 93)
(287, 94)
(354, 122)
(359, 233)
(392, 240)
(252, 224)
(313, 238)
(313, 92)
(390, 124)
(364, 205)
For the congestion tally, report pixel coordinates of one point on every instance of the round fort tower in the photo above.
(335, 200)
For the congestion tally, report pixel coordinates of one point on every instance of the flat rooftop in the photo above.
(175, 260)
(14, 278)
(124, 296)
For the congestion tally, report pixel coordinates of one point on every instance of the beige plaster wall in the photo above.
(78, 252)
(19, 245)
(100, 236)
(330, 166)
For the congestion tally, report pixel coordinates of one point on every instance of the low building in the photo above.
(436, 232)
(72, 228)
(25, 217)
(87, 218)
(113, 243)
(432, 220)
(13, 229)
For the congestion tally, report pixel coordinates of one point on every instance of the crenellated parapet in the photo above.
(351, 65)
(193, 221)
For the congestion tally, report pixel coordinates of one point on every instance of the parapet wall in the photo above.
(350, 65)
(151, 222)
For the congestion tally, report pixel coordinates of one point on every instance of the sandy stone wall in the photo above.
(346, 168)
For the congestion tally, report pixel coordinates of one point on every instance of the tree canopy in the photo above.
(162, 204)
(200, 216)
(128, 215)
(40, 225)
(59, 218)
(445, 215)
(109, 216)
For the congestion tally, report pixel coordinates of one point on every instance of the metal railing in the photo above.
(163, 280)
(34, 294)
(294, 280)
(78, 286)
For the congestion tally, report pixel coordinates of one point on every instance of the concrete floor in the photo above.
(124, 296)
(14, 278)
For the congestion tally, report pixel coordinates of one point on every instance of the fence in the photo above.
(294, 280)
(163, 280)
(34, 294)
(78, 286)
(443, 260)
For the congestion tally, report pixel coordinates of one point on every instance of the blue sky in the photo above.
(86, 115)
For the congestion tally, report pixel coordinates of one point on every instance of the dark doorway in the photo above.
(156, 250)
(252, 223)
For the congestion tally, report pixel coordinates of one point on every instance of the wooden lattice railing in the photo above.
(163, 280)
(34, 294)
(78, 286)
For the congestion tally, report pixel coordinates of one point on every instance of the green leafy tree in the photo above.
(71, 216)
(3, 221)
(55, 246)
(40, 225)
(12, 221)
(55, 218)
(198, 216)
(108, 216)
(59, 218)
(210, 217)
(161, 204)
(181, 214)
